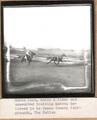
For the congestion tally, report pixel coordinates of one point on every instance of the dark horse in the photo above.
(27, 57)
(56, 59)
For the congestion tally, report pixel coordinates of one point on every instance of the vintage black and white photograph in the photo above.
(47, 49)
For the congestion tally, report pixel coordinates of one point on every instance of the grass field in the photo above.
(39, 77)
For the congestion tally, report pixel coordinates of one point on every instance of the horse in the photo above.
(27, 57)
(24, 58)
(56, 59)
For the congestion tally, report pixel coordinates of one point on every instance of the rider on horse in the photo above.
(28, 55)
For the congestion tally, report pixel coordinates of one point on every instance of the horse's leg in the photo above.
(29, 59)
(56, 62)
(61, 59)
(28, 62)
(26, 58)
(22, 60)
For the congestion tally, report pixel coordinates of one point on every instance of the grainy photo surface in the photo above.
(47, 49)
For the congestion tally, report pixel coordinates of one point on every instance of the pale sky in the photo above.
(48, 27)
